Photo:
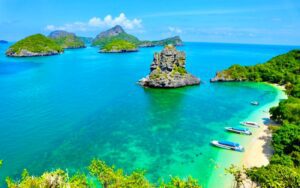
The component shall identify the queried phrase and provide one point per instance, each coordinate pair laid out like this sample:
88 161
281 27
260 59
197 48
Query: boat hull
230 129
217 144
250 124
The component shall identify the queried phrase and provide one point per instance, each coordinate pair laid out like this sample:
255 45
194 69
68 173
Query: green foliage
238 174
69 41
55 179
169 41
288 111
176 182
179 69
284 168
275 176
286 141
35 43
122 36
1 162
119 45
283 69
111 178
108 176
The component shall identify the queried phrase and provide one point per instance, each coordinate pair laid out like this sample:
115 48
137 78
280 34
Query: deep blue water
62 111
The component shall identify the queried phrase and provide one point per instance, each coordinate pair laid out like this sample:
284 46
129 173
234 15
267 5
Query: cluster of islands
114 40
168 71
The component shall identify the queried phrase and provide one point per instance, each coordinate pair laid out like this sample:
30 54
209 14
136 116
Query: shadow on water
9 68
165 105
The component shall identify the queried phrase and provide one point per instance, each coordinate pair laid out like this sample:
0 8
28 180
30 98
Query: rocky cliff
111 32
168 70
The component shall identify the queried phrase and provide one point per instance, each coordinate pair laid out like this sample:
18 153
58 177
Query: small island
118 33
119 46
34 45
168 70
66 40
115 33
3 42
175 41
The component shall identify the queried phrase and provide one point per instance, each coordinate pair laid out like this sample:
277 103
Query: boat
250 124
255 103
239 130
228 145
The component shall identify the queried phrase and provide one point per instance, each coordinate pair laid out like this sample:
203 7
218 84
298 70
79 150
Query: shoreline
259 148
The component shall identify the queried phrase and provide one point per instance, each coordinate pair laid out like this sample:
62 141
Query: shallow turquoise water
62 111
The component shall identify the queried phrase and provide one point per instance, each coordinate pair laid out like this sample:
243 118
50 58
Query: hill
118 33
66 40
34 45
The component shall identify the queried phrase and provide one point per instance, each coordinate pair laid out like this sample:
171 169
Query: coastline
258 146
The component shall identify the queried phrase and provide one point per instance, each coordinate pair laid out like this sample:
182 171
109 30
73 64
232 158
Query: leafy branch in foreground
107 176
57 178
238 174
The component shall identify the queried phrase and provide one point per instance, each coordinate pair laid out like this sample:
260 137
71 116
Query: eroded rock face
168 70
111 32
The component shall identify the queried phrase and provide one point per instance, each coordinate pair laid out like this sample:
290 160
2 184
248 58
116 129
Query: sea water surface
63 111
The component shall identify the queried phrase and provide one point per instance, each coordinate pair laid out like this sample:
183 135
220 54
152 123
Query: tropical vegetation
117 33
284 168
121 36
37 43
119 46
99 173
69 41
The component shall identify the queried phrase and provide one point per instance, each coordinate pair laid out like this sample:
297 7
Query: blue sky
231 21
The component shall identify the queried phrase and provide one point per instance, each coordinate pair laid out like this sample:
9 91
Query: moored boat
255 103
228 145
250 124
239 130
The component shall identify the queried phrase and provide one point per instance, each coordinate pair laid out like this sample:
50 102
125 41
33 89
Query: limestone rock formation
168 70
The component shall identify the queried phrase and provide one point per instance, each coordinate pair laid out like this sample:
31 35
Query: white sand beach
259 148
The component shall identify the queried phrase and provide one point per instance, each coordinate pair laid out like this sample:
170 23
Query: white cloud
96 22
175 30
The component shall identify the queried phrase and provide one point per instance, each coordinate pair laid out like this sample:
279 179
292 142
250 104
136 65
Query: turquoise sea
62 111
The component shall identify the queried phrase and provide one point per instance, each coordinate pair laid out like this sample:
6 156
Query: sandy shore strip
259 148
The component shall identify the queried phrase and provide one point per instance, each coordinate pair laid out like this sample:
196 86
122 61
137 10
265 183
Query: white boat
239 130
228 145
255 103
250 124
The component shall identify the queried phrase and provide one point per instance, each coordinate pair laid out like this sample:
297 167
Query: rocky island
175 41
168 70
117 33
34 45
66 40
